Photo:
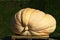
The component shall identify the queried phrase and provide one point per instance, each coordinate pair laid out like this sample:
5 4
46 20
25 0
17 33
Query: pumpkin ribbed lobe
26 15
18 26
35 18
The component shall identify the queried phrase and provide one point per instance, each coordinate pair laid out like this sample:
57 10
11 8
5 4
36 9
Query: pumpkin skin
30 21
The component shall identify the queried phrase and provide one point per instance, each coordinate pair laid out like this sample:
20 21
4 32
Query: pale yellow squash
31 21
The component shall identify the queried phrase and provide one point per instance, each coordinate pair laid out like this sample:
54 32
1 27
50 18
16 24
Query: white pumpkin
34 22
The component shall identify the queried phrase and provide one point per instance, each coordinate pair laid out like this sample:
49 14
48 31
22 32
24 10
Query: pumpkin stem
26 28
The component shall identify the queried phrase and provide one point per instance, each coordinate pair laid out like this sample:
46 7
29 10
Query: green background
8 8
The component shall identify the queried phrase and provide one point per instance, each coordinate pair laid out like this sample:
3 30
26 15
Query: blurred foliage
8 8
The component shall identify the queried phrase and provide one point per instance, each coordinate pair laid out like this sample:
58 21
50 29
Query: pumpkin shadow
7 38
